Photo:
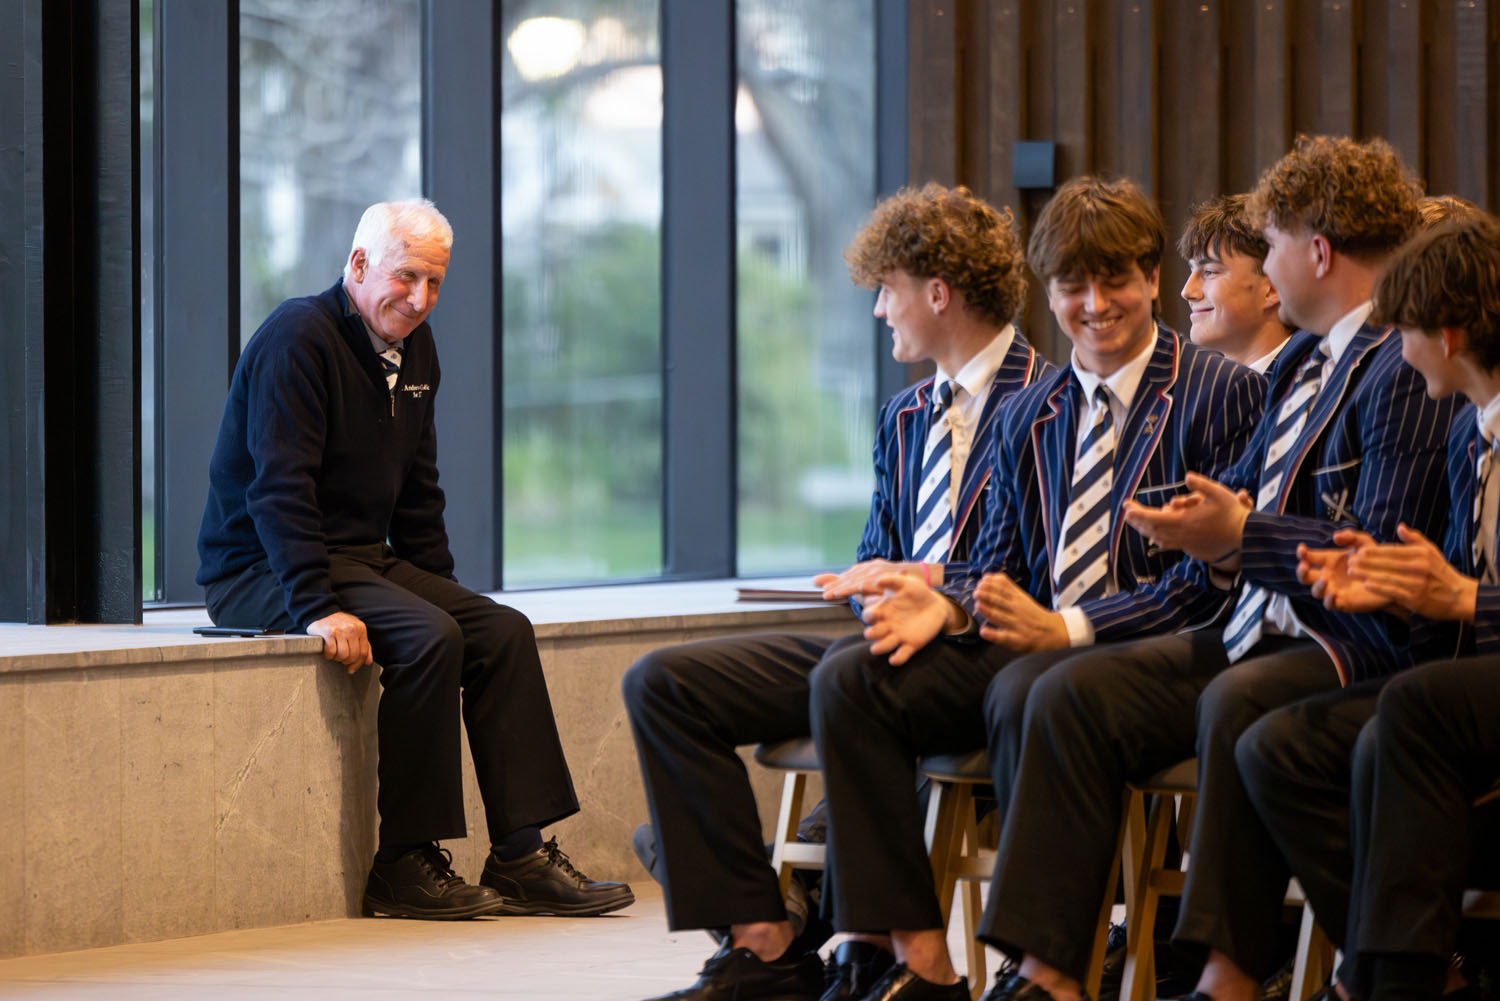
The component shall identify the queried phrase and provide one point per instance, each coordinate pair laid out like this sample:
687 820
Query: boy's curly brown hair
1441 208
1221 226
1097 226
938 232
1447 275
1358 195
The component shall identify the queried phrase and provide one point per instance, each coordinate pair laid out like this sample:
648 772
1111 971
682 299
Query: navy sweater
314 453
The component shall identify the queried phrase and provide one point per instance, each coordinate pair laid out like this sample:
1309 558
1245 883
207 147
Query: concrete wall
191 792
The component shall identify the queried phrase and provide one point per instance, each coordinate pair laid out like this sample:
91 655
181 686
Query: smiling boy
1233 307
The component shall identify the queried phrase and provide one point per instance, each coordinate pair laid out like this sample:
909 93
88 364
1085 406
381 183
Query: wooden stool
1152 807
797 757
957 856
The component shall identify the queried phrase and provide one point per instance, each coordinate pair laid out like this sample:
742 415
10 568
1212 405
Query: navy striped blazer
899 443
1370 456
1482 636
1193 411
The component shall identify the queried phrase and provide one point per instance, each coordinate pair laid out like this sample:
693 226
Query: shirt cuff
970 629
1080 629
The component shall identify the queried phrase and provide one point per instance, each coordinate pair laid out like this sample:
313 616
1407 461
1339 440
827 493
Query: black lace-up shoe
1011 986
900 984
853 969
545 882
422 884
740 975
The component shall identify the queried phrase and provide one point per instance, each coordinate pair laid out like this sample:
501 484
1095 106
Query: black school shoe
900 984
422 884
853 970
545 882
740 975
1011 986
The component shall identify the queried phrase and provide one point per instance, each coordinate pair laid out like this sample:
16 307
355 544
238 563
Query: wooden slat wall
1196 97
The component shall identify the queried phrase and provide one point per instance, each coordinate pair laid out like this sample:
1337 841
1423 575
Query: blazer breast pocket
1155 495
1336 485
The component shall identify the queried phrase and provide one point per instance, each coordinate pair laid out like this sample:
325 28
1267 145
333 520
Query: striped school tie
1083 570
1244 629
390 364
1484 568
934 533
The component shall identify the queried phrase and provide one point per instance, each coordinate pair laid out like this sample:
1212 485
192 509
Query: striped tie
390 363
1244 629
934 532
1484 569
1084 567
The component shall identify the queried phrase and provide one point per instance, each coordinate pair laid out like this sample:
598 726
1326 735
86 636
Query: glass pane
330 121
580 133
150 591
805 121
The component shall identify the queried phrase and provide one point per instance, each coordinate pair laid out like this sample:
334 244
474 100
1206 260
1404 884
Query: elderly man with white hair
324 514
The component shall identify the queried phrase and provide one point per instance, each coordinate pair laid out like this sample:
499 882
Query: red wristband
927 572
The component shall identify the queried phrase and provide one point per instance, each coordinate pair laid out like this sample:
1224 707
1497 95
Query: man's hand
344 640
1207 524
854 580
903 614
1326 572
1015 618
1415 576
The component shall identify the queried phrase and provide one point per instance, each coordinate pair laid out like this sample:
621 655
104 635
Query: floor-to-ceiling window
805 180
580 223
330 121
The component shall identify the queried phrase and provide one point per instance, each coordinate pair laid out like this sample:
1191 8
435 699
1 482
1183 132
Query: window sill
166 636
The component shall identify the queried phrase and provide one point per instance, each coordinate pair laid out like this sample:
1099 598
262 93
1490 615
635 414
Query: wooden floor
623 957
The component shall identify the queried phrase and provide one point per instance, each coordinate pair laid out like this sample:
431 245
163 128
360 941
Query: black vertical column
698 289
891 40
81 325
15 430
461 174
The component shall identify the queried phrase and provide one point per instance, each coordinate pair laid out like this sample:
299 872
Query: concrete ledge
154 784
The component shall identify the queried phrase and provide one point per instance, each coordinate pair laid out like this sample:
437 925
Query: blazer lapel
1463 508
911 439
1328 401
1052 444
1144 426
1016 371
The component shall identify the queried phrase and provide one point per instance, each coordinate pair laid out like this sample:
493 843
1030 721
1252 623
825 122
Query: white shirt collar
1344 330
1264 362
978 372
1125 380
1489 419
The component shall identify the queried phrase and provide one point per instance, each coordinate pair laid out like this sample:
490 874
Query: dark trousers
1236 879
690 706
1297 763
441 649
1096 720
1389 839
872 722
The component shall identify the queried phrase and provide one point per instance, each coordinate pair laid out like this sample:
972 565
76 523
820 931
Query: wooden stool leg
973 948
948 803
792 792
1135 857
1314 963
1095 973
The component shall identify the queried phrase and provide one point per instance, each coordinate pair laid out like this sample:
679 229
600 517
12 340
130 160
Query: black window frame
71 549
